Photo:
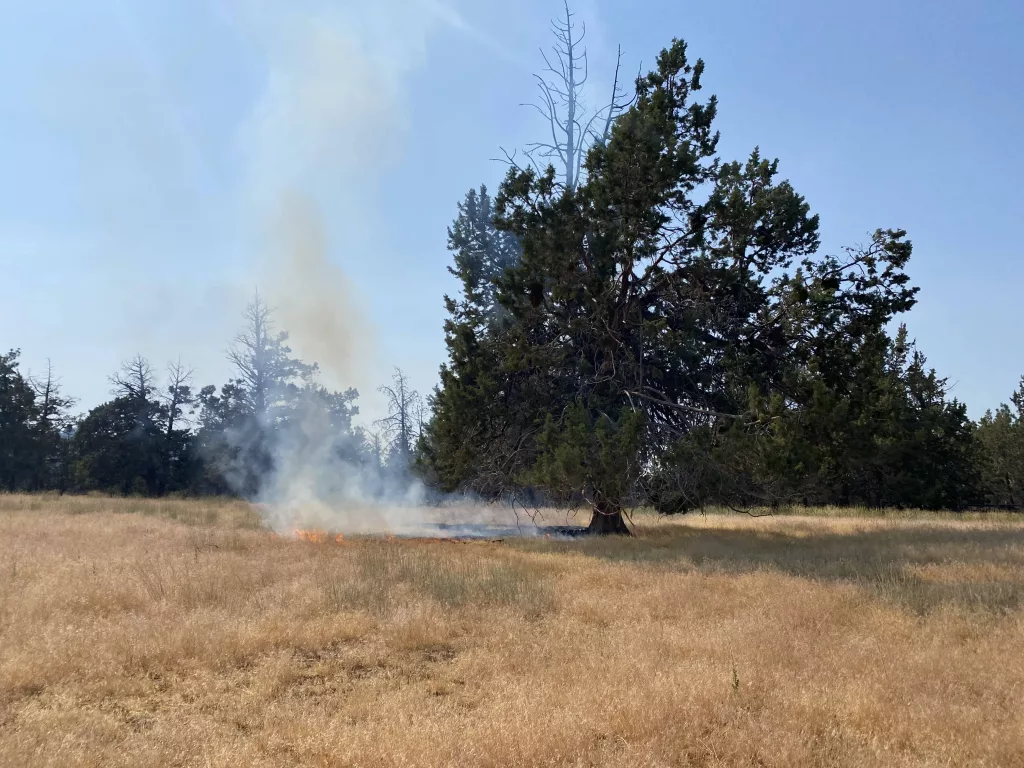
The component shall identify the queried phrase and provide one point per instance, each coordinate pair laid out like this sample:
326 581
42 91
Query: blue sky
164 158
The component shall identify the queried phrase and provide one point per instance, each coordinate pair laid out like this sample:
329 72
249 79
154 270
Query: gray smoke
333 109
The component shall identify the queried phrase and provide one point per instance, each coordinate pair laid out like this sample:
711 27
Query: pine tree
53 423
120 445
18 413
1001 452
481 254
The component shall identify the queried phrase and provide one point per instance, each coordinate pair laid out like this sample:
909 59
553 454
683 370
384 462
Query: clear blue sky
150 148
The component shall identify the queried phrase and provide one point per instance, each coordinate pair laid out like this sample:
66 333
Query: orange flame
314 537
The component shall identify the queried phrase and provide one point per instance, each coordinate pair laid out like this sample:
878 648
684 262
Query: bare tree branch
52 402
178 395
402 424
250 353
135 379
561 85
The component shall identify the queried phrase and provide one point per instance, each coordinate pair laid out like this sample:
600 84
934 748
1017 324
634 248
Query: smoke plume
333 110
314 297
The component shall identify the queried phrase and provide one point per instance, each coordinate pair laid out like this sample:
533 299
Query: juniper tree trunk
607 520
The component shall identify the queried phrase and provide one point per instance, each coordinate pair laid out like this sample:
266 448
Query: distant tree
273 408
318 411
52 427
135 380
181 463
1001 448
178 396
377 450
19 413
401 426
266 374
481 254
140 442
920 443
239 427
118 450
888 436
231 442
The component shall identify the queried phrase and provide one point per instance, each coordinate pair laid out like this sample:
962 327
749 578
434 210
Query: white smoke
329 118
332 117
330 121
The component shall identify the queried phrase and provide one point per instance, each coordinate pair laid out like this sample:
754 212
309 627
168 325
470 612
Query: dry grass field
180 633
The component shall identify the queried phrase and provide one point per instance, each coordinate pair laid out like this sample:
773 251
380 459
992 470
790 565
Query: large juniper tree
648 303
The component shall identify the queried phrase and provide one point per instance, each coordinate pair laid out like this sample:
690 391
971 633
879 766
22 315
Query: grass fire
318 537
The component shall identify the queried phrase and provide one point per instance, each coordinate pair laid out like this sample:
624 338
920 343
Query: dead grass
137 633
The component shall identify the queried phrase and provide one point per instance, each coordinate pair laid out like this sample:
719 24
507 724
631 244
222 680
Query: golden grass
179 633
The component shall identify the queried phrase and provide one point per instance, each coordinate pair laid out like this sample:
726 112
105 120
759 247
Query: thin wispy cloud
451 18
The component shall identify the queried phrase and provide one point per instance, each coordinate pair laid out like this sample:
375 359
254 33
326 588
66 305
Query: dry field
181 633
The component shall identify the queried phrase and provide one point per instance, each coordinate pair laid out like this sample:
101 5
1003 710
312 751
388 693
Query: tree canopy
675 335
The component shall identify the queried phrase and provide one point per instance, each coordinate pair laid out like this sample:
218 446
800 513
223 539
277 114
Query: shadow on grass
386 574
919 568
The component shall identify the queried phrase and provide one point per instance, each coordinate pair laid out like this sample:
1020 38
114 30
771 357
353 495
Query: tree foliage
1001 447
18 413
675 335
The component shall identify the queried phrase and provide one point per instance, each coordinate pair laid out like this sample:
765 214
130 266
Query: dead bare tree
251 353
400 426
53 422
178 395
561 86
262 359
135 380
52 403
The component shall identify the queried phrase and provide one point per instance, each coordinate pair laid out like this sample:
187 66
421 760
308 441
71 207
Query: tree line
639 321
154 438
